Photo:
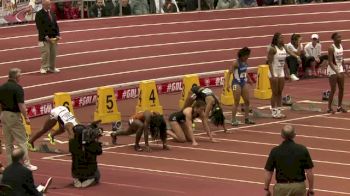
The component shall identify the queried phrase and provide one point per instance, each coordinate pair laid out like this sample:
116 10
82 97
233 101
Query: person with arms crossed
49 34
291 161
12 106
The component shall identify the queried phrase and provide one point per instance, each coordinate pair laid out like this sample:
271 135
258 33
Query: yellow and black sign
148 97
187 83
106 106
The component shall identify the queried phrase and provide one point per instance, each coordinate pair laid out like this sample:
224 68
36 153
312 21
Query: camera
91 133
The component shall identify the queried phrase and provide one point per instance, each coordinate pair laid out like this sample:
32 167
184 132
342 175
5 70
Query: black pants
293 64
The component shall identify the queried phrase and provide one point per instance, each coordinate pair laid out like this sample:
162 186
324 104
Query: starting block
63 99
106 106
187 83
148 97
27 127
226 97
263 87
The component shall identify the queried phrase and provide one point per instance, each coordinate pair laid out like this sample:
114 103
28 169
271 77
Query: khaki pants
48 55
290 189
13 130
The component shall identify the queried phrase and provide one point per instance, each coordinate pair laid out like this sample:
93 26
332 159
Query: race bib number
281 62
243 75
234 87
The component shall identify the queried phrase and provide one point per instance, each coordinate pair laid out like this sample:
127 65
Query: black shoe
331 111
114 138
342 110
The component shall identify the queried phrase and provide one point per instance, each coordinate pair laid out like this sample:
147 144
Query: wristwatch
266 189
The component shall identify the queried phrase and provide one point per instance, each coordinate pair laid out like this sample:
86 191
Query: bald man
19 177
290 178
49 34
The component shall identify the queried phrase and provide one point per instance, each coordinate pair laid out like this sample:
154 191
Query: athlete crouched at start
143 123
181 123
65 120
213 110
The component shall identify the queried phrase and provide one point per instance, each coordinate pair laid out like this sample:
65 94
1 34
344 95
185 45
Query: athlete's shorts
278 72
330 71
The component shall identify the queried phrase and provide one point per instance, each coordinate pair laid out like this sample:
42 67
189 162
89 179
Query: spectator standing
49 34
126 8
291 161
20 178
12 104
314 59
97 10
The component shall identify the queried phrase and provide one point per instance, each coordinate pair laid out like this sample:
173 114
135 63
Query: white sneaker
31 167
76 183
43 71
279 113
88 182
274 113
54 70
294 77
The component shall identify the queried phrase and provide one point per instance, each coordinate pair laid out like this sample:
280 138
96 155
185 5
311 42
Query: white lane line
218 151
217 131
174 33
299 135
337 118
110 74
138 58
188 13
194 175
193 21
220 164
174 43
316 126
271 144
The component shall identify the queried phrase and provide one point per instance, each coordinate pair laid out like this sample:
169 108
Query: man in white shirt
314 60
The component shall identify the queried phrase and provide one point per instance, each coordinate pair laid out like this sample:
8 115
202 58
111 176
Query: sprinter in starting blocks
143 123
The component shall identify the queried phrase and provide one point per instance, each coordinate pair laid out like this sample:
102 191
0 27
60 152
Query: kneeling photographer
85 147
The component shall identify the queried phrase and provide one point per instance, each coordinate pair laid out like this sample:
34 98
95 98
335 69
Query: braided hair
217 115
158 127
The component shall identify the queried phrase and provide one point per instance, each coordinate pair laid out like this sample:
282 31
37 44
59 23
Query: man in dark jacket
20 178
98 10
84 157
49 34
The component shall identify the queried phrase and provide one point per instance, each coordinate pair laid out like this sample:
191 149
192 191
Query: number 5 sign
106 106
148 97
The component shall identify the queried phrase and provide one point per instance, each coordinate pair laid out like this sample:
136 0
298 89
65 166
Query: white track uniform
63 116
338 60
279 59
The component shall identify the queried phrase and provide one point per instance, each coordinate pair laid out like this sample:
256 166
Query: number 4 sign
148 97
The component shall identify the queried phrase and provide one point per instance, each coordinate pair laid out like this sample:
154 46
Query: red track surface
133 44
